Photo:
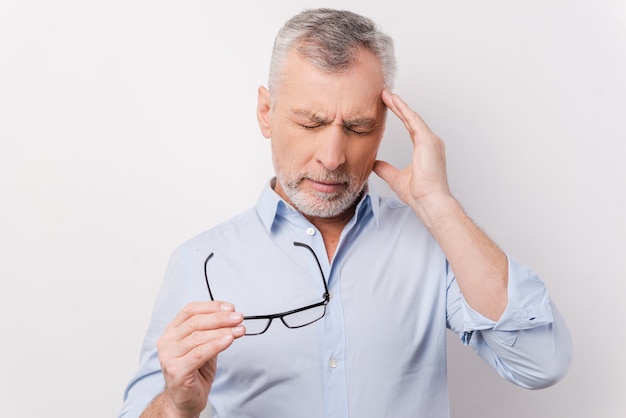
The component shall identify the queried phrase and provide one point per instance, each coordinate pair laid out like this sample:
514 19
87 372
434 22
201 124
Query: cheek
290 152
364 158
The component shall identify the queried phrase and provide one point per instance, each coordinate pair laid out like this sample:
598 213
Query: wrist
164 406
436 209
172 410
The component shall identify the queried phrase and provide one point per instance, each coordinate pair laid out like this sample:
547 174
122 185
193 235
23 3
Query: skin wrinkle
359 125
325 127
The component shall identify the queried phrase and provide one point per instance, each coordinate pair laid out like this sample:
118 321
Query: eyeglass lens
255 326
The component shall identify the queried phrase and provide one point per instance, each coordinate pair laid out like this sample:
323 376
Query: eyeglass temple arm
301 244
206 277
297 244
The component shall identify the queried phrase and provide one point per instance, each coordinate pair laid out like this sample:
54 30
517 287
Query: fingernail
227 307
238 331
236 316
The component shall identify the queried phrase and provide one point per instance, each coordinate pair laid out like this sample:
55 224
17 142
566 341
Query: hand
425 179
188 353
480 267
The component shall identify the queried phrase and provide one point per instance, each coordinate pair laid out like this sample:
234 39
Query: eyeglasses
295 318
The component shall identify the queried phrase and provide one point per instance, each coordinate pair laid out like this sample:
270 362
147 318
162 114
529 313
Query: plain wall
128 126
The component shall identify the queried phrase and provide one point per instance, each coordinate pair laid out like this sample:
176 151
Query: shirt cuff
528 305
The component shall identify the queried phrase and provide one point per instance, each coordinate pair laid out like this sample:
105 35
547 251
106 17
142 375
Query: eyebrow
364 122
314 117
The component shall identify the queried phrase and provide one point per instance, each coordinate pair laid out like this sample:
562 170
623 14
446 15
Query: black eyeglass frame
270 318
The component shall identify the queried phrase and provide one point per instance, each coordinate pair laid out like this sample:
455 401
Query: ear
263 112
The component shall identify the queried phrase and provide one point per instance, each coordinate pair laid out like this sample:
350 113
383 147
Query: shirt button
332 363
310 231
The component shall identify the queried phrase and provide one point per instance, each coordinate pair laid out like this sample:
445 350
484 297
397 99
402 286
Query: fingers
411 119
200 316
215 331
426 176
188 351
185 358
195 308
197 334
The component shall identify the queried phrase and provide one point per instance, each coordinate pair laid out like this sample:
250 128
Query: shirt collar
270 205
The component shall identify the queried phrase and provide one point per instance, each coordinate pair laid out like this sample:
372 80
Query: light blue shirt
380 349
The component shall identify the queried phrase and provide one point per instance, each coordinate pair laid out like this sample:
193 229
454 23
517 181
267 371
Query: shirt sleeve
528 304
148 381
530 344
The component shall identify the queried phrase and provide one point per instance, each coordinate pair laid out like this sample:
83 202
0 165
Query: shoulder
239 226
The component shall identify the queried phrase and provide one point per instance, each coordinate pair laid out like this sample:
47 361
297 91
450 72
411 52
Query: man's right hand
188 352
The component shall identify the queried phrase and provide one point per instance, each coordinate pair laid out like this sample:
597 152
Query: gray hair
329 39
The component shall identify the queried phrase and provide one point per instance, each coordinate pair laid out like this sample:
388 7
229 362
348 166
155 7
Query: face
325 130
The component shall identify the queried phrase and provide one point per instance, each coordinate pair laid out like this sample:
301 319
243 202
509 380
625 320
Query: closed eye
361 126
353 131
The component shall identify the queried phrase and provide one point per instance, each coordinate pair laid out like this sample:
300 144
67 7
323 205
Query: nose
331 150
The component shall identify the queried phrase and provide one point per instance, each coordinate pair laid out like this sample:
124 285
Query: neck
331 228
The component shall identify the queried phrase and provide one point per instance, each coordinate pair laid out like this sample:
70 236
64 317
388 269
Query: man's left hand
425 179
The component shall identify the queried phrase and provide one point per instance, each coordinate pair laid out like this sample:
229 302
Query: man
346 295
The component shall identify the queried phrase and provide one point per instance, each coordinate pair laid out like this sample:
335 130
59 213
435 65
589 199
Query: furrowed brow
363 123
310 116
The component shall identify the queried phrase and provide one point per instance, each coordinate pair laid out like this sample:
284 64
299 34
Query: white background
128 126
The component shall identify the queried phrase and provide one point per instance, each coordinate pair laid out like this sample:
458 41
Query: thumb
396 179
387 172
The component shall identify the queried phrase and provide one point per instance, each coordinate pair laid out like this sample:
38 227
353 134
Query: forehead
353 92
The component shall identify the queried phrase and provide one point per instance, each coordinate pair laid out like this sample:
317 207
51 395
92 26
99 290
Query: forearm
161 407
480 267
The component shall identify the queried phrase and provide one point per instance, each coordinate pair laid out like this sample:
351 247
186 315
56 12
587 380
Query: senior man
326 299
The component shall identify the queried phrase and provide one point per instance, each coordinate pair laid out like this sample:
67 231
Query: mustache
325 176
